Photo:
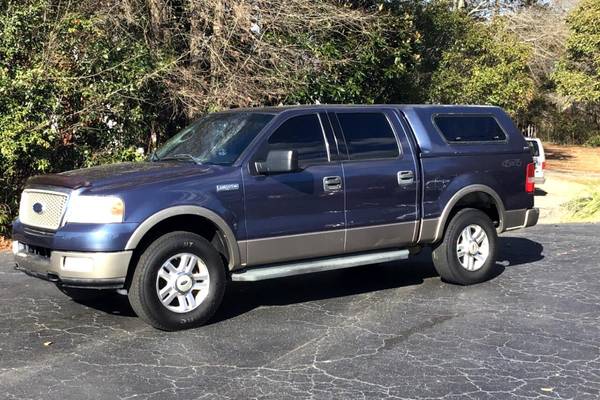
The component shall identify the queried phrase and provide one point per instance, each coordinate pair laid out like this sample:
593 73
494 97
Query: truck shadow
243 297
514 251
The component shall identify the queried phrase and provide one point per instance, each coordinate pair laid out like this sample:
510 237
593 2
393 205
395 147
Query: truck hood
114 176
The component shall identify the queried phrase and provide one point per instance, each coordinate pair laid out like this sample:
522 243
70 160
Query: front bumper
75 269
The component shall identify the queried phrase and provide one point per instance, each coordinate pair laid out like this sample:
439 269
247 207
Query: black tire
83 295
445 254
142 292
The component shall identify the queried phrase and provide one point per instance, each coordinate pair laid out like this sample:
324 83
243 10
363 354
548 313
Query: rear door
300 214
380 178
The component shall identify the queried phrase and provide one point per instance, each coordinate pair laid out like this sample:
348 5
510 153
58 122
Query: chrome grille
42 209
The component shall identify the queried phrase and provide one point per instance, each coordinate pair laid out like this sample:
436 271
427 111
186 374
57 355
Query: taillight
543 164
530 178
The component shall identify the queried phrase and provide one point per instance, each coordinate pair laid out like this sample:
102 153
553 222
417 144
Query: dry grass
585 208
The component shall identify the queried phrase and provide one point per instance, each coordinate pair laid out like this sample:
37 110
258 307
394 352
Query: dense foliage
487 66
72 93
83 83
578 72
578 75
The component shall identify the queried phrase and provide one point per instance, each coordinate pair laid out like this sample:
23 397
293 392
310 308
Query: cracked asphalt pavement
382 331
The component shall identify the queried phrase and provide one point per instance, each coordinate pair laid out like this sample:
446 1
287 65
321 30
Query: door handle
332 183
405 177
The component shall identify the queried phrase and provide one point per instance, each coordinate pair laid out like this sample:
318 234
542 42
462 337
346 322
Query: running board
324 264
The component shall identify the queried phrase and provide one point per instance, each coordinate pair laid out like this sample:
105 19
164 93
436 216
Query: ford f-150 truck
264 193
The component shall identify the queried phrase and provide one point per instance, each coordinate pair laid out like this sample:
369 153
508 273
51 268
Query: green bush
578 72
487 65
593 141
74 92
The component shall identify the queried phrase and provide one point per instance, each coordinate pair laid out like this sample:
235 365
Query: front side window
469 128
215 138
303 134
368 136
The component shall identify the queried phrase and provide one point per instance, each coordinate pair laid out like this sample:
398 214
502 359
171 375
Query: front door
300 214
380 178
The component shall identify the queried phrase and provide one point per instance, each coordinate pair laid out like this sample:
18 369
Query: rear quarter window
469 128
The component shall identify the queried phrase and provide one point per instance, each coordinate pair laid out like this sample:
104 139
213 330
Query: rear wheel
178 283
467 253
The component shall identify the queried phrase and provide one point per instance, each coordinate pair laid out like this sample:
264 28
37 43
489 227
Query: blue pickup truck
263 193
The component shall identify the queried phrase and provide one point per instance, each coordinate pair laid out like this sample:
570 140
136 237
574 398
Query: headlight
95 210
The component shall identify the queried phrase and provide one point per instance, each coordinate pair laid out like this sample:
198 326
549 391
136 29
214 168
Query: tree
488 8
578 74
545 30
486 66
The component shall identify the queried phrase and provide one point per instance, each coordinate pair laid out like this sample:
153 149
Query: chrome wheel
182 283
472 247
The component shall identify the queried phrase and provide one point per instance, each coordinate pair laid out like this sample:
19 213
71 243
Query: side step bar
324 264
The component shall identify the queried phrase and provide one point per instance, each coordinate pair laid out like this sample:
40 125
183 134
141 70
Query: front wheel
178 283
467 253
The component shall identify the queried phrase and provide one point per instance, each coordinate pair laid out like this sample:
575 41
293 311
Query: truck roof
402 107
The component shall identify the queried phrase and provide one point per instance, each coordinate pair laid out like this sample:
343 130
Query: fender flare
456 197
150 222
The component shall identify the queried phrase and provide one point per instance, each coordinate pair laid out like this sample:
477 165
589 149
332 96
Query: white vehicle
539 158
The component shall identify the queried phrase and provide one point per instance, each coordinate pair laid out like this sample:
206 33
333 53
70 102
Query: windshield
214 139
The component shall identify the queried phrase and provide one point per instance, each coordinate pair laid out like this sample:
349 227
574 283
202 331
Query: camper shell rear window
469 128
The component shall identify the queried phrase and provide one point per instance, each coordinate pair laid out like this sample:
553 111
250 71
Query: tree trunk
158 19
196 32
216 42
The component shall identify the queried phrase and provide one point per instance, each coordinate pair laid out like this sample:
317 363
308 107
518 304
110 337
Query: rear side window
303 134
535 149
469 128
368 136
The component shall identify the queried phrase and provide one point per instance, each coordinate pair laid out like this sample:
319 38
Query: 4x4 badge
514 162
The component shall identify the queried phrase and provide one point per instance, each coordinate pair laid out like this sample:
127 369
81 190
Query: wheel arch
223 229
470 196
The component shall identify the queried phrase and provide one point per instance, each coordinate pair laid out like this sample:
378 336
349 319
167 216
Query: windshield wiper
180 157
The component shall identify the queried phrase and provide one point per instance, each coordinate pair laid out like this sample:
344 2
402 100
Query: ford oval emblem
38 208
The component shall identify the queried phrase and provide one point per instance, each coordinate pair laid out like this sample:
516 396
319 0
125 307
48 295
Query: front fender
150 222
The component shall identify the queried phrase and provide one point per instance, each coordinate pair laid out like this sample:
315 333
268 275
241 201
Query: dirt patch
5 244
572 158
572 172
